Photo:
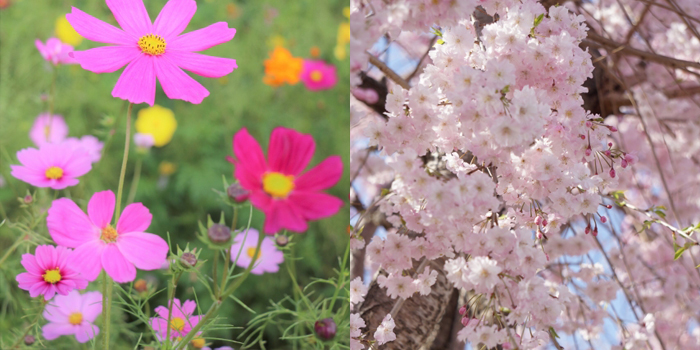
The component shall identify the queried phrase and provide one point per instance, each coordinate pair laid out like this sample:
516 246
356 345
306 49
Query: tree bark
418 318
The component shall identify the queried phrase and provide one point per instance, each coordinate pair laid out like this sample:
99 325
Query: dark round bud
28 199
141 285
463 310
282 240
29 340
188 259
237 193
219 233
325 328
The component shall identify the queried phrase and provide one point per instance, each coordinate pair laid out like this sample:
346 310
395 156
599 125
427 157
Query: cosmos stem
107 285
124 160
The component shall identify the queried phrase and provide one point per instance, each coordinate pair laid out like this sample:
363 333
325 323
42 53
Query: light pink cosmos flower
89 144
288 198
98 245
318 75
55 51
48 272
181 320
153 50
73 314
52 165
268 259
48 129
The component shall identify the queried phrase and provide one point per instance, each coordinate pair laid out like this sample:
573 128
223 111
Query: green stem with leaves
12 249
108 283
172 285
214 308
32 325
341 283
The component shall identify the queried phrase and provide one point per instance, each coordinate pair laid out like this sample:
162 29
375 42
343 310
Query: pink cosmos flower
268 259
288 198
153 50
318 75
47 129
52 165
73 314
89 144
55 51
99 245
181 320
48 272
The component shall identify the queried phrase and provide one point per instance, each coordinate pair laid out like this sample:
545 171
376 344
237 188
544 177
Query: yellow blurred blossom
346 11
166 168
66 33
343 39
282 68
157 121
276 41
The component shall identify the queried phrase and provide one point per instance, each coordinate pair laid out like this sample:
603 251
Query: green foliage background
198 149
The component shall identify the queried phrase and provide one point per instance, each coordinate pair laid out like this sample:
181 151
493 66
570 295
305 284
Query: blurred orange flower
282 68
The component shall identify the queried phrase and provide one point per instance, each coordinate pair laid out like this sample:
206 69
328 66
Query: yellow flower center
52 276
109 234
177 323
152 44
47 131
316 76
278 185
75 318
198 343
54 173
251 253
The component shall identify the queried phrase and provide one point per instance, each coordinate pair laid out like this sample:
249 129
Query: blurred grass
200 144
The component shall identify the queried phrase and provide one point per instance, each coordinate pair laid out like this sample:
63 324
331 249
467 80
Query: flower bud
589 123
588 229
544 222
282 240
218 233
608 153
609 144
609 206
465 321
595 232
29 340
237 193
612 173
538 220
588 151
188 260
623 163
583 137
141 285
28 199
612 128
603 219
463 310
198 343
325 328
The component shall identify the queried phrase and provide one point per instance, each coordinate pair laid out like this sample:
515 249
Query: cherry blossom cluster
494 165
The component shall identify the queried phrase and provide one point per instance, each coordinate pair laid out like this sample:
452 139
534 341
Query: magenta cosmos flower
73 314
55 51
48 273
318 75
48 129
153 50
98 245
52 165
181 320
288 198
268 259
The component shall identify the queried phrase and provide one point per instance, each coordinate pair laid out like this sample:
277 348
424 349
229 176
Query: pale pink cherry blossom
357 291
385 331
